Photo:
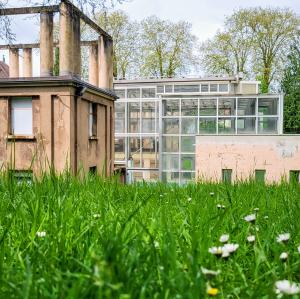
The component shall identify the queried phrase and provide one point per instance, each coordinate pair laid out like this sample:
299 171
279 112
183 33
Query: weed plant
61 237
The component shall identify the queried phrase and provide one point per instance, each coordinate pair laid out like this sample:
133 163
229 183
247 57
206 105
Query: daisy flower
286 287
230 247
219 206
224 238
283 256
96 216
283 237
41 234
250 218
251 239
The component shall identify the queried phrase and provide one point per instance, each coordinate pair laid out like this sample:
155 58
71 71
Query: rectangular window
92 119
204 87
21 116
223 87
133 93
226 175
207 126
213 87
294 176
160 89
186 88
208 107
93 170
260 175
148 92
169 88
22 176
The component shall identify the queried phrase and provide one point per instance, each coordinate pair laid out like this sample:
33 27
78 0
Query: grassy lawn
62 238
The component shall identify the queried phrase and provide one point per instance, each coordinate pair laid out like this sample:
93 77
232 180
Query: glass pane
171 126
133 117
119 117
170 162
170 144
120 93
246 125
189 125
149 155
223 87
148 92
226 175
268 106
226 106
267 125
21 116
135 151
171 107
294 176
226 125
213 87
246 106
188 144
260 175
207 126
186 88
160 89
133 93
187 162
189 107
119 149
169 88
148 117
204 87
208 107
187 177
170 177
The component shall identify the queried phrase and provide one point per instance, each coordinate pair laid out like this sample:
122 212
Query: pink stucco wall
277 154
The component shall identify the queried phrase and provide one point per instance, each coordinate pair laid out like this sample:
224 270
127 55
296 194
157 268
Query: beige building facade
231 158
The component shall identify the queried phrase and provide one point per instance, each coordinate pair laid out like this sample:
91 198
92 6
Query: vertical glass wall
155 136
136 136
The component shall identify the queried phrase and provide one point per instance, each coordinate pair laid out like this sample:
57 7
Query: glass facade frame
177 120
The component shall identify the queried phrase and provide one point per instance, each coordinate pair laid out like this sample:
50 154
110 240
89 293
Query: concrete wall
60 131
245 154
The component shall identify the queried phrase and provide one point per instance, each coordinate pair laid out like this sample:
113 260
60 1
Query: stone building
58 122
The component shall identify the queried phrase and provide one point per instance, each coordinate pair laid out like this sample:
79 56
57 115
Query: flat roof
179 80
53 81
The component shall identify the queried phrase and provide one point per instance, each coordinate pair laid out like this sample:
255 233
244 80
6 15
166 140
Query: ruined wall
60 131
244 154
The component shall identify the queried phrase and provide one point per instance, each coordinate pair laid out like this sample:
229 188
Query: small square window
93 170
92 119
213 87
260 175
169 88
294 176
204 87
226 175
160 89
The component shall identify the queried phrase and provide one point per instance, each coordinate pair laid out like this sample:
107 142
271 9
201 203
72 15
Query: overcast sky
206 16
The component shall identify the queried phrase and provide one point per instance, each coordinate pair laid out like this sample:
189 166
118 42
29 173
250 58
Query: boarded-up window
92 119
21 116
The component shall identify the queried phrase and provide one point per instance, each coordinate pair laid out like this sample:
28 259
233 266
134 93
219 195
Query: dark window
160 89
22 176
93 170
213 87
92 119
260 175
169 88
204 87
226 175
294 176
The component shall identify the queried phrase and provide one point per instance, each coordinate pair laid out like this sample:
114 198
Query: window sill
21 138
93 138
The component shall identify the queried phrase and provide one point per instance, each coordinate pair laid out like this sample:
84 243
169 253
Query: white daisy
251 238
219 206
189 199
283 256
216 250
250 218
208 272
224 238
211 193
266 217
96 216
41 234
230 247
256 209
287 287
283 237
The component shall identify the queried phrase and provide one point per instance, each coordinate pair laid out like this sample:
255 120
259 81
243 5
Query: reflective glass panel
186 88
223 87
171 126
268 106
119 117
189 107
226 125
188 144
149 155
246 125
170 107
207 126
226 106
148 117
133 93
187 162
120 93
134 117
170 177
169 88
204 87
170 144
160 89
170 162
135 151
208 107
267 125
246 106
120 149
213 87
148 92
188 125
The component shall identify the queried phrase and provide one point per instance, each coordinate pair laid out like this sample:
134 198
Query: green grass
150 241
